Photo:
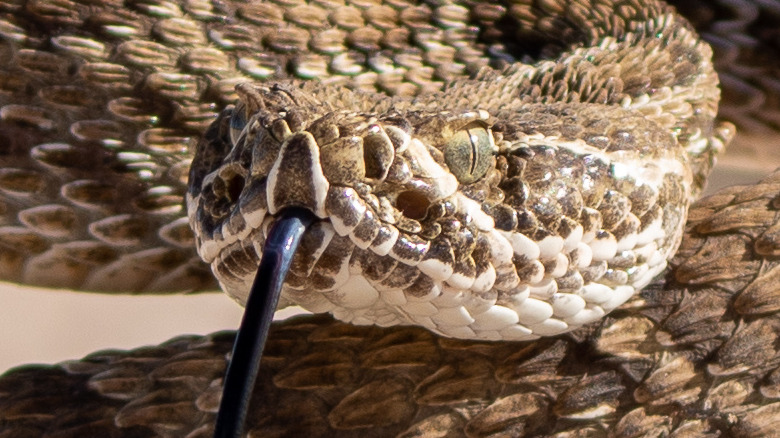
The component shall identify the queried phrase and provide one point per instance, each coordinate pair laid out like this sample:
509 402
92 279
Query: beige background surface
47 326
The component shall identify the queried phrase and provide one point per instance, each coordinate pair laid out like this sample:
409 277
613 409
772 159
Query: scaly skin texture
510 206
102 106
707 340
594 198
694 355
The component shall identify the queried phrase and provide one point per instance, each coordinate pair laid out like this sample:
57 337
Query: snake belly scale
518 204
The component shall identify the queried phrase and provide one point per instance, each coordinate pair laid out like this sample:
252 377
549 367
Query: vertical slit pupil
474 151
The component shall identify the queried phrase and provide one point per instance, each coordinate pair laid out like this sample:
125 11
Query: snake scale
102 105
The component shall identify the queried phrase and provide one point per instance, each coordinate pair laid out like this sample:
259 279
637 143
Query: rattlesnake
71 223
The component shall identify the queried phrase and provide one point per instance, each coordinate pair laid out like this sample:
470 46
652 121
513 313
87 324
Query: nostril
229 182
413 204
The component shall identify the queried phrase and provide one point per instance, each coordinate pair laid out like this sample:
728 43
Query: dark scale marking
549 265
590 220
672 191
408 225
310 249
593 272
421 288
525 268
399 172
629 225
462 243
330 263
651 216
642 198
378 154
526 222
253 197
506 276
368 228
571 282
504 217
383 235
341 202
325 130
566 226
294 185
613 208
236 223
430 231
374 267
342 161
540 233
409 248
242 261
623 260
441 249
402 276
465 267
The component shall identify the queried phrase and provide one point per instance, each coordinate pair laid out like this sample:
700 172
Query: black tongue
279 249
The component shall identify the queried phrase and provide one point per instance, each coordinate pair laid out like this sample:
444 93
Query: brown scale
571 282
422 288
614 207
630 225
241 259
55 221
382 237
403 276
340 202
466 267
368 227
409 248
594 272
374 267
441 249
120 230
410 210
330 263
312 242
178 234
463 243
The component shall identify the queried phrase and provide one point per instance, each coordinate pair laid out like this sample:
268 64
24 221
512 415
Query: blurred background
48 326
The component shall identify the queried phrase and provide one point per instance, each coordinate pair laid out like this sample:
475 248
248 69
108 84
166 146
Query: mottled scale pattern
525 202
102 104
102 100
693 356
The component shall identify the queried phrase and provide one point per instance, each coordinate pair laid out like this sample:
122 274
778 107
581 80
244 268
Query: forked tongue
278 251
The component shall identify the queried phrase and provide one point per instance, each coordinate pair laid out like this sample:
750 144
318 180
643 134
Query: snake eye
469 153
237 123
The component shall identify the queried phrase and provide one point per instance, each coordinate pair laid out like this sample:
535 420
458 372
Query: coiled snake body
528 200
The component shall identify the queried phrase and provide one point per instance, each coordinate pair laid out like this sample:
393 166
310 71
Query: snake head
470 225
